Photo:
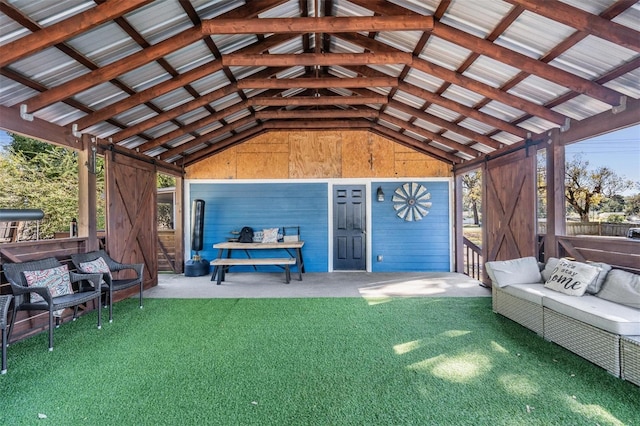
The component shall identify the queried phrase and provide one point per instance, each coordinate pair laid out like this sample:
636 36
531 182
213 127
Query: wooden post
178 226
87 197
556 224
458 246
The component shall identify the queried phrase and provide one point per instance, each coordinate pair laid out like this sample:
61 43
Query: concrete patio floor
332 284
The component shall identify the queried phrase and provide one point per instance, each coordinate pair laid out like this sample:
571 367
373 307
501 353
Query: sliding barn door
131 213
510 206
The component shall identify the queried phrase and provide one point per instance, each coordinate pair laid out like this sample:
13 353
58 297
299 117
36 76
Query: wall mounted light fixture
91 161
380 194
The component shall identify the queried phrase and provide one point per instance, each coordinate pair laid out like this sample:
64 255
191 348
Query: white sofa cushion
600 313
529 292
622 287
596 285
524 270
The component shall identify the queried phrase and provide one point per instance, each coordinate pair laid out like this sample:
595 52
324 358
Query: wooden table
293 248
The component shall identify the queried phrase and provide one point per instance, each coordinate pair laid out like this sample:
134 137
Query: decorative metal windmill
410 201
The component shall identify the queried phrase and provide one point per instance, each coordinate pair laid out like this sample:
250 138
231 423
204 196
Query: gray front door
349 207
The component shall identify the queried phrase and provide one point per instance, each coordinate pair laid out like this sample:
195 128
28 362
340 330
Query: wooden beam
222 145
477 137
251 9
527 64
419 146
173 113
316 124
449 143
460 80
321 59
148 94
325 24
11 121
465 111
205 138
596 125
194 126
113 70
261 46
602 123
584 21
317 100
488 91
316 114
316 83
66 29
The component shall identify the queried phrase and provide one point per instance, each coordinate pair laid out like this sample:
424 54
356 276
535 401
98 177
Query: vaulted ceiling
181 80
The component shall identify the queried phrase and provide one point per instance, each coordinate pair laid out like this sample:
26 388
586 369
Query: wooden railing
167 251
472 259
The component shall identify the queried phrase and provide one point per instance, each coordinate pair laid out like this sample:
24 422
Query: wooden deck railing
472 259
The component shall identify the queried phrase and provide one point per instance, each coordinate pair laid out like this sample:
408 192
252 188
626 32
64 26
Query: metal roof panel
49 12
145 76
628 84
159 20
100 96
592 57
210 83
49 67
444 53
104 44
190 57
537 90
475 17
533 35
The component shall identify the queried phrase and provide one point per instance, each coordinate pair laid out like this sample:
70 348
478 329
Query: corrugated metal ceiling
469 88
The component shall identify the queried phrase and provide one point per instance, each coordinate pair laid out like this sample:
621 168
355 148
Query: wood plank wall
314 154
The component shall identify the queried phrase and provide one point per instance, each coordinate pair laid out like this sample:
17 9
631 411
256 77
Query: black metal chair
111 284
5 301
88 283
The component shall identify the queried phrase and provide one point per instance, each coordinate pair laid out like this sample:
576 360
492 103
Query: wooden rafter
173 113
488 91
113 70
327 24
66 29
205 138
315 114
316 83
148 94
198 124
312 59
584 21
518 60
317 100
450 143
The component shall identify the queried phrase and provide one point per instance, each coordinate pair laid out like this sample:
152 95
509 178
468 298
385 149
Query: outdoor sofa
586 307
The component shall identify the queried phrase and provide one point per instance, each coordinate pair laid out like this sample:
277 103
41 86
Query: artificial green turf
324 361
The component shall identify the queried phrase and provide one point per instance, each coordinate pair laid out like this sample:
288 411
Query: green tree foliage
165 181
39 175
586 189
472 193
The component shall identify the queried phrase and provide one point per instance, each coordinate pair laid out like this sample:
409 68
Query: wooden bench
222 264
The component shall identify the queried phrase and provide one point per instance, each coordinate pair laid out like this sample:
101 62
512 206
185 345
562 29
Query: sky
618 150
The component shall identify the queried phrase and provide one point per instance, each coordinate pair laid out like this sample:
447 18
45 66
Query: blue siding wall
418 246
230 206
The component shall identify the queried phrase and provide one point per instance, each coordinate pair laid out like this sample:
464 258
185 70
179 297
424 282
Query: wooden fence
604 229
